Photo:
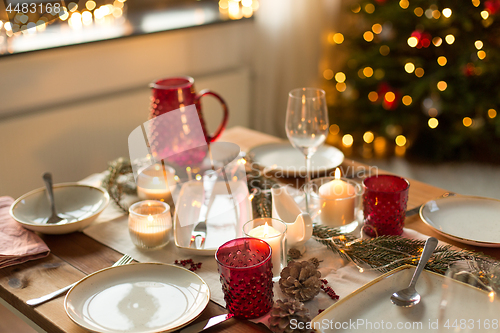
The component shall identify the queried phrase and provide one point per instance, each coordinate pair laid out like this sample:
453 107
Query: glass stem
308 180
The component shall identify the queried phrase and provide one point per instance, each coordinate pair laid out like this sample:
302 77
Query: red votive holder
384 205
246 275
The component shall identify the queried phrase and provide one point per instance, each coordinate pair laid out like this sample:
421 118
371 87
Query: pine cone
314 261
282 314
300 280
294 253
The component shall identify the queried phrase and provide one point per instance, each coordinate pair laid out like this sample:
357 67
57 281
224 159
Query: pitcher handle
211 138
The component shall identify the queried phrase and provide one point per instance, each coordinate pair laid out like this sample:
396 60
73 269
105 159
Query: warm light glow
356 9
150 217
437 41
266 230
407 100
467 121
334 129
72 6
442 60
478 44
412 41
491 296
360 73
433 123
347 140
481 54
41 25
338 38
390 96
87 18
117 12
384 50
476 3
369 8
368 36
400 140
368 137
377 28
63 14
485 14
373 96
246 3
492 113
118 4
442 85
409 67
404 4
447 12
450 39
436 14
418 11
340 77
368 71
198 177
337 173
341 86
90 5
328 74
419 72
223 4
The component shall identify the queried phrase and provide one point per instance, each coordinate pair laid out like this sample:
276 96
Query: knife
204 324
416 210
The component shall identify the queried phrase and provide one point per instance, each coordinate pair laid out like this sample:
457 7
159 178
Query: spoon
409 296
54 218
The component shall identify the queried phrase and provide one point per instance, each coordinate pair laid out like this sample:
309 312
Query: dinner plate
369 308
285 159
137 298
466 219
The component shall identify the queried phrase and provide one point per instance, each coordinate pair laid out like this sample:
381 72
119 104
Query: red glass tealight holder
246 275
384 205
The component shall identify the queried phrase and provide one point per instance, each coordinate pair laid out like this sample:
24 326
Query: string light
433 123
90 5
373 96
407 100
328 74
369 8
334 129
340 77
400 140
379 73
341 86
478 44
481 54
419 72
356 8
418 11
377 28
476 3
447 12
409 67
404 4
368 137
450 39
368 36
467 121
442 60
338 38
492 113
412 41
347 140
368 71
437 41
389 97
485 14
384 50
442 85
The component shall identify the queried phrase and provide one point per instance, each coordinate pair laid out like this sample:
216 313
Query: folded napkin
17 245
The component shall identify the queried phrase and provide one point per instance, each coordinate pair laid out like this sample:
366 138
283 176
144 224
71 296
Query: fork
126 259
198 235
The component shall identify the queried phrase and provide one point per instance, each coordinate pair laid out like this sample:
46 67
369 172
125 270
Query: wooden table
75 255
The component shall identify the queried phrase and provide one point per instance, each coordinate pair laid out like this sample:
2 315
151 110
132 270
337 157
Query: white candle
152 183
274 239
150 224
337 202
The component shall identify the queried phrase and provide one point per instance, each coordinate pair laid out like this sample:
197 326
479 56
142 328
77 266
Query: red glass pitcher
176 93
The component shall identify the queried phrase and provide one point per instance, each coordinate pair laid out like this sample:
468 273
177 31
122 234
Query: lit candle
152 183
337 201
272 237
150 224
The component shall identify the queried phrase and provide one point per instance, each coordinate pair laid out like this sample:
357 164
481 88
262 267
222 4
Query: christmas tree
422 77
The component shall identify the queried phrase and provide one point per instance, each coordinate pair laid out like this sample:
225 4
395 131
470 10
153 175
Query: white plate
284 158
137 298
469 220
79 204
369 308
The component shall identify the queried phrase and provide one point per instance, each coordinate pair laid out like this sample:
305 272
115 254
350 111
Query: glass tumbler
245 270
385 199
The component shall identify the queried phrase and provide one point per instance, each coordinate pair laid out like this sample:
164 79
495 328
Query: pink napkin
17 245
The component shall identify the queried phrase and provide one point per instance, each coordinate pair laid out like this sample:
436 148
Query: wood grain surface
75 255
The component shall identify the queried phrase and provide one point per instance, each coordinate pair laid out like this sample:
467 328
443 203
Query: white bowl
79 204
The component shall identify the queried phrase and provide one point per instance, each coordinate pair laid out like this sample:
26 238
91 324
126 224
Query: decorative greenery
388 252
118 181
425 71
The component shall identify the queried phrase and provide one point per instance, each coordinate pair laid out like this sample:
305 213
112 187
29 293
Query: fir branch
117 187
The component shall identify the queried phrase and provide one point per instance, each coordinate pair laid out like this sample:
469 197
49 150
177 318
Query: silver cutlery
126 259
415 210
409 296
204 324
54 218
198 235
200 230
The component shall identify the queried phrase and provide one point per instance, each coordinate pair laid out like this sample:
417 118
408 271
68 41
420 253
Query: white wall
70 110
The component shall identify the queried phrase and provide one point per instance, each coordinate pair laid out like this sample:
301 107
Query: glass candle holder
154 182
273 231
245 270
384 205
335 202
150 224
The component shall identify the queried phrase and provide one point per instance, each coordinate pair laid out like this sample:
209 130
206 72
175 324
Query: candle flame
150 218
337 173
266 230
491 295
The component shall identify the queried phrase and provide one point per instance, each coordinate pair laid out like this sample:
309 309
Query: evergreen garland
118 181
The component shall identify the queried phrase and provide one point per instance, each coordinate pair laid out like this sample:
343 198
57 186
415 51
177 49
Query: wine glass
307 123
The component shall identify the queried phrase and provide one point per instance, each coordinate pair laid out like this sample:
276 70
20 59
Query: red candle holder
246 275
384 205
